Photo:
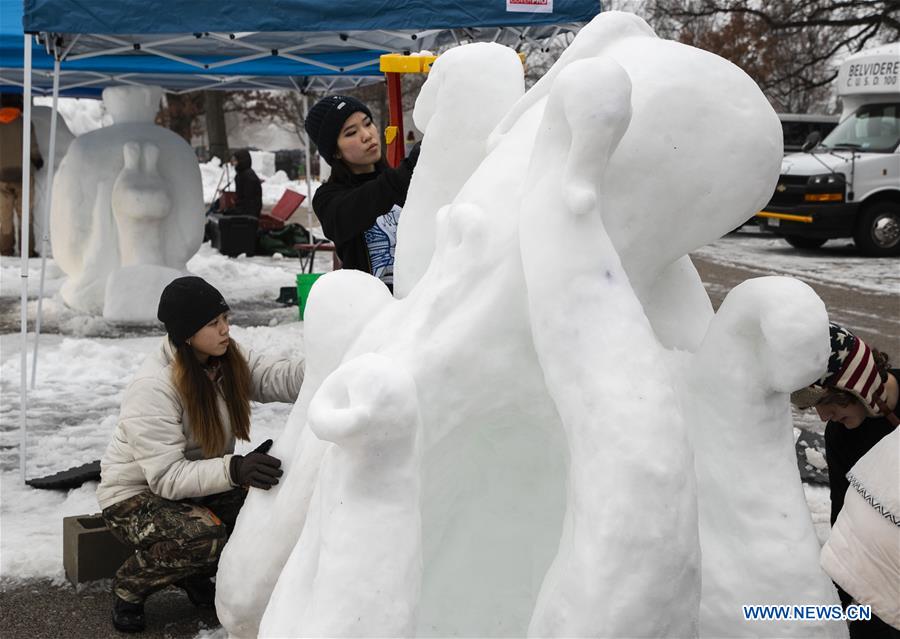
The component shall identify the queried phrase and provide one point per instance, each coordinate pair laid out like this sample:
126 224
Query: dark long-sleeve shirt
248 194
347 211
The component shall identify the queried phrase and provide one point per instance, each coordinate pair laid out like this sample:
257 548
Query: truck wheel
808 243
878 230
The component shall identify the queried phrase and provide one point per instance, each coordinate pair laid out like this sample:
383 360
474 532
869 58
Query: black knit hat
187 304
325 119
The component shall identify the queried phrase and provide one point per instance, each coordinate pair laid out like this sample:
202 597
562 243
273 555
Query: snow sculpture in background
41 117
560 474
127 211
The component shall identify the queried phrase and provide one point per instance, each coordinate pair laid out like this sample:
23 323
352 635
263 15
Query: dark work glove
257 469
413 156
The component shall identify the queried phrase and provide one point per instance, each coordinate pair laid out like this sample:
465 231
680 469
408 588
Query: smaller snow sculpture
139 203
127 210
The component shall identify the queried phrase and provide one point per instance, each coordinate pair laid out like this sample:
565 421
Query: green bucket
305 282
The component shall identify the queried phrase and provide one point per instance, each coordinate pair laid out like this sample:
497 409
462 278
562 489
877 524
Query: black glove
256 469
413 156
38 163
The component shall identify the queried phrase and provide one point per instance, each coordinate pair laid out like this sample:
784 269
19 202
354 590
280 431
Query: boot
200 590
127 616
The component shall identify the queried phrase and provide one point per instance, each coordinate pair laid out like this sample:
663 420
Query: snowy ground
85 364
836 263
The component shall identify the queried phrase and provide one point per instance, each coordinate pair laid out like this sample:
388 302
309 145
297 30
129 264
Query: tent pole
45 226
23 235
309 210
395 147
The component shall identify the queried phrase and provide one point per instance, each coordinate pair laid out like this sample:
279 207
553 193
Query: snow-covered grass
273 186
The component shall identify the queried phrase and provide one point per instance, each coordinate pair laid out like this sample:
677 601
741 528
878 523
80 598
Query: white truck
848 184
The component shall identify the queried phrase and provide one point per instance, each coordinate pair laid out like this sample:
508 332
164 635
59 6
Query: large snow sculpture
127 210
558 486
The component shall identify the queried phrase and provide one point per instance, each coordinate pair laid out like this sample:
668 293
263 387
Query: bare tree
180 113
789 47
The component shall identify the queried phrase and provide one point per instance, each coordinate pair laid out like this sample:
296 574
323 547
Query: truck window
796 128
873 127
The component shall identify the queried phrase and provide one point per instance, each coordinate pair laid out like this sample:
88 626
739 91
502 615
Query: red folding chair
284 209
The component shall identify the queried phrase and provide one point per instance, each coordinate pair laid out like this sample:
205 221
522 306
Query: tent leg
395 105
23 233
45 236
309 210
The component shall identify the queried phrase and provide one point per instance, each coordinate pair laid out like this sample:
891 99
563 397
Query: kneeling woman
170 486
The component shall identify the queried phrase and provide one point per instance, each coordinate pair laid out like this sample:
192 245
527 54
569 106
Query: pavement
39 609
42 610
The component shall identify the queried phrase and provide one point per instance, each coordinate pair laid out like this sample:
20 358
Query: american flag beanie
851 368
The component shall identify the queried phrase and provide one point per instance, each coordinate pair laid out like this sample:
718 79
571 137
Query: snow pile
273 187
82 115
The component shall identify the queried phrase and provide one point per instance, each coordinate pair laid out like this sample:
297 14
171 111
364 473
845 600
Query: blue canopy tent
235 44
86 75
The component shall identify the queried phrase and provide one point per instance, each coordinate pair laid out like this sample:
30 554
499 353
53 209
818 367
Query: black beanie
187 304
325 119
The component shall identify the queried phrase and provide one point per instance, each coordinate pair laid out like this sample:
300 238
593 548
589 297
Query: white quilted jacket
152 447
862 554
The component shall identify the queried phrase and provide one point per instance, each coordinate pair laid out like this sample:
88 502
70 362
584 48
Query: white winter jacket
862 553
153 447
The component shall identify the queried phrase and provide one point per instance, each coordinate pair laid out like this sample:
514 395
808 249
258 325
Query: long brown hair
198 394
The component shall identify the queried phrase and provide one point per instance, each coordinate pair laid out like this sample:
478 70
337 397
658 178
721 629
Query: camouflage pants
172 539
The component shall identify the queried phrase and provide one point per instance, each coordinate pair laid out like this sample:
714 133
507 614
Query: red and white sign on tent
530 6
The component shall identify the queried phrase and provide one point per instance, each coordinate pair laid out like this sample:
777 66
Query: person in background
359 205
857 396
171 486
247 187
11 126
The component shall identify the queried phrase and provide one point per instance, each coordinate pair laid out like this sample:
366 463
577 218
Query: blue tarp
180 16
11 58
273 41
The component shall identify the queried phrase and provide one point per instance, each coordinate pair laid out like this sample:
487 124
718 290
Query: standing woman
359 206
170 485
